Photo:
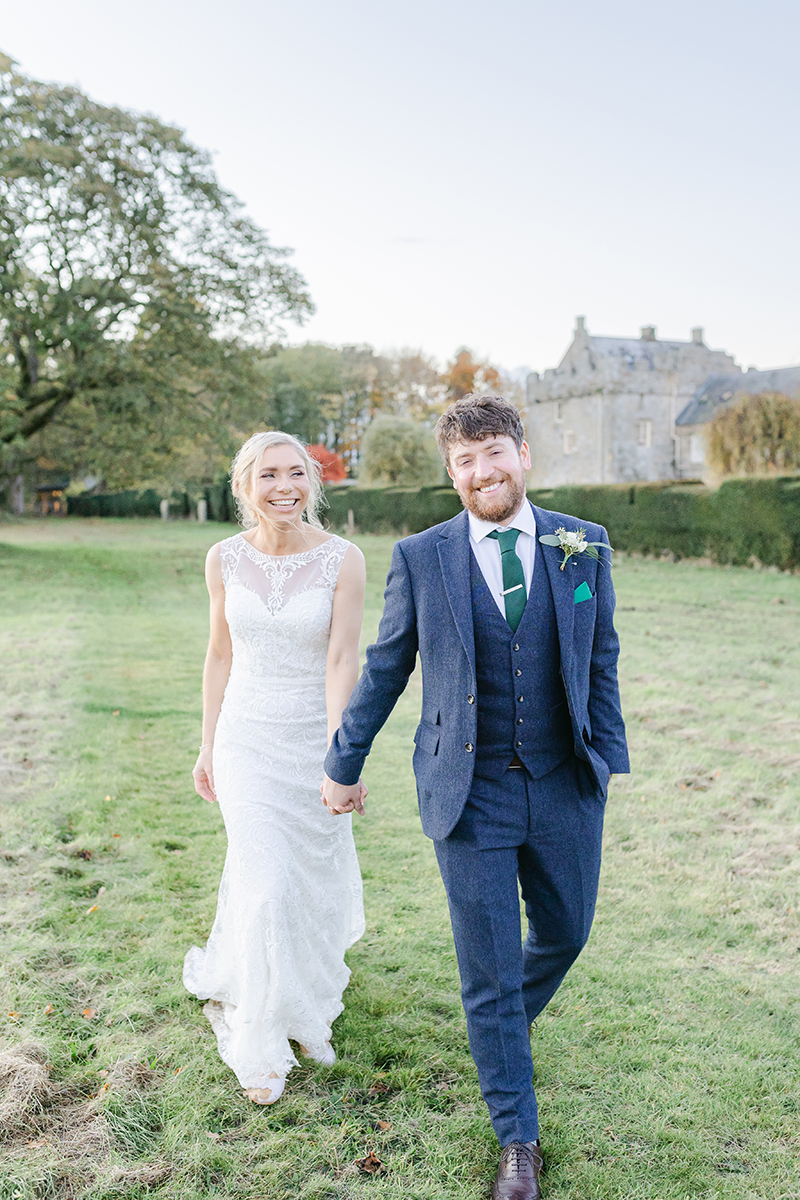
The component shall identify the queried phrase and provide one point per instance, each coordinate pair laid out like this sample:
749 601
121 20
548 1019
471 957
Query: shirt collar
524 521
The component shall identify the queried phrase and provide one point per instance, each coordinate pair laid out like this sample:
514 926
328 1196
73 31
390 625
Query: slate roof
720 391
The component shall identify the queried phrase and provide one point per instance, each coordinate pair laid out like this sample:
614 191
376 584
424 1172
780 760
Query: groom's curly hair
473 418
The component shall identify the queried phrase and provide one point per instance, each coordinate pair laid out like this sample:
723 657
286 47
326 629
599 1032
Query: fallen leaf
88 1013
108 797
371 1165
13 1015
384 1124
94 908
177 1071
214 1136
102 1074
116 835
49 1010
377 1089
115 713
84 854
101 889
39 1142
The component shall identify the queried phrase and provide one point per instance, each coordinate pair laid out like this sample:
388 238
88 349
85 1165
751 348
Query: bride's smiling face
280 486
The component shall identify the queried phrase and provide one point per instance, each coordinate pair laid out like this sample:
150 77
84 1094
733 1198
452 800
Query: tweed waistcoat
521 702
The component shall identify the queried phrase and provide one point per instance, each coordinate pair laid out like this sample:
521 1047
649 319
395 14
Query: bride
287 601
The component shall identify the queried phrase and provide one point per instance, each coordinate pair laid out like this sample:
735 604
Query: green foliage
330 395
643 518
145 503
391 510
399 451
760 519
129 279
757 435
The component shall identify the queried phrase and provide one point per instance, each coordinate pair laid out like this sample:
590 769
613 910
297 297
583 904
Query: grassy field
667 1066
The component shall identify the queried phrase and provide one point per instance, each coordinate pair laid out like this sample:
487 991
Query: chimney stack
580 326
697 335
648 333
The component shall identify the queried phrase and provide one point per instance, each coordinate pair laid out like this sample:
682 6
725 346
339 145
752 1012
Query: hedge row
742 520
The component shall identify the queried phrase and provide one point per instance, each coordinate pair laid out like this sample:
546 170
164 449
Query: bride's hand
203 775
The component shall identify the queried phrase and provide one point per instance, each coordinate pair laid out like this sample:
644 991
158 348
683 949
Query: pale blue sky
480 172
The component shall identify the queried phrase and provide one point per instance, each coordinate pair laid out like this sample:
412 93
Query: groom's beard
498 506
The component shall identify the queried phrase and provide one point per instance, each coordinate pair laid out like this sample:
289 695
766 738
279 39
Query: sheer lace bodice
279 608
290 897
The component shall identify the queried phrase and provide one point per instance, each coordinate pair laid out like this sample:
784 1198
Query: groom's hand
343 797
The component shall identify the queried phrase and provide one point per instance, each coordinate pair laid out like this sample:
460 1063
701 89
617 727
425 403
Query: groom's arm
390 661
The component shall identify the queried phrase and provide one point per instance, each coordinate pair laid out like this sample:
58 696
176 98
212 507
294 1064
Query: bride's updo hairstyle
245 465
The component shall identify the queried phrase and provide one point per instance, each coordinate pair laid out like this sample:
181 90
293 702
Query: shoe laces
517 1158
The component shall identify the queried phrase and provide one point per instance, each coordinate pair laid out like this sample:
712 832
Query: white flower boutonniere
573 542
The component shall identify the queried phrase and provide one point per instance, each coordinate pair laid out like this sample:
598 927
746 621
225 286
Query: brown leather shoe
518 1174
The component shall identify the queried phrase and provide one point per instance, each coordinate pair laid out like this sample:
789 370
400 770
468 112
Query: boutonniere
573 542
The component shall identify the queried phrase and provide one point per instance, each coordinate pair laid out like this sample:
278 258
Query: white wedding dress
290 899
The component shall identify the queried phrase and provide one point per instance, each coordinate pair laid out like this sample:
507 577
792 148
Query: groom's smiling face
489 476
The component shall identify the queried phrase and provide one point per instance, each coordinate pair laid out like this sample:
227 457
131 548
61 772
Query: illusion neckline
281 557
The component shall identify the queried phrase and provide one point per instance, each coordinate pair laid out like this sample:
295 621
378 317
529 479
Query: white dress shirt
487 550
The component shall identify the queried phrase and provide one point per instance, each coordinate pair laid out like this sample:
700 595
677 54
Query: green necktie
514 593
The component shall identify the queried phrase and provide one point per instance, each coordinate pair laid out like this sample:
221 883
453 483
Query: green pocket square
583 592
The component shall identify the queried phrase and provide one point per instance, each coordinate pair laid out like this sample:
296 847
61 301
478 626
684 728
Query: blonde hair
243 468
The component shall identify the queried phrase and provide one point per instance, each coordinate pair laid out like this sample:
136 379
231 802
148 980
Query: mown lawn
667 1066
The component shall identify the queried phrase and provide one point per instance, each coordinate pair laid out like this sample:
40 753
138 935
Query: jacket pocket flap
427 737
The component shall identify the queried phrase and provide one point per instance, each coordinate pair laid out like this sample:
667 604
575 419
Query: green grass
667 1065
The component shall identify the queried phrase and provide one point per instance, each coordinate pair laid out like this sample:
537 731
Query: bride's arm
215 675
341 670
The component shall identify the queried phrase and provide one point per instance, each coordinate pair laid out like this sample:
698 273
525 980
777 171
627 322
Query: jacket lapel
560 584
453 548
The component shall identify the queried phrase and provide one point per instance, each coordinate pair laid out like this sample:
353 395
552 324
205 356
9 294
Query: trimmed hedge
646 518
145 503
743 520
390 509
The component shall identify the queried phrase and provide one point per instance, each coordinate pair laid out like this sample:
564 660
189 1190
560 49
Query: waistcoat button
470 699
468 746
519 720
518 672
520 699
518 745
516 645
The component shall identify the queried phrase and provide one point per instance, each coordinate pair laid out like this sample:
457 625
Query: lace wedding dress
290 898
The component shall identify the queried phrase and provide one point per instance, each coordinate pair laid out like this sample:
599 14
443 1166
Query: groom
520 730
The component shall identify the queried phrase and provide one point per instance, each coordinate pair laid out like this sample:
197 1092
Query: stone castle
627 410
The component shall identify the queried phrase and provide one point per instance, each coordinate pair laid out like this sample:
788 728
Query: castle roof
722 390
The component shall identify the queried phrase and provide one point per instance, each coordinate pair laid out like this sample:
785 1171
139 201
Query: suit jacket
428 610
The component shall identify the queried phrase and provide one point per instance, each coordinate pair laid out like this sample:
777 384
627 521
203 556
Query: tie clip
511 589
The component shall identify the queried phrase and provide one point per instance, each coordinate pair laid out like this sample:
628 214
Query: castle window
697 452
570 442
644 432
559 414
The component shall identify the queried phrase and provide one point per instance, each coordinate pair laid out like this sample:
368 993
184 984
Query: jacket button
519 720
518 745
468 746
470 699
518 672
516 645
520 699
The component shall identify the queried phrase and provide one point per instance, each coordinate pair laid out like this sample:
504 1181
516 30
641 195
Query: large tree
756 435
131 283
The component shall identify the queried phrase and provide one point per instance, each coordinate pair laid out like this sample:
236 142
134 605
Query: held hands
203 776
342 797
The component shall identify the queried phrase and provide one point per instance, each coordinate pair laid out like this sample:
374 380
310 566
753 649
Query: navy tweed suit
547 694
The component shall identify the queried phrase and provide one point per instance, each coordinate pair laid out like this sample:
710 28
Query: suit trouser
547 834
